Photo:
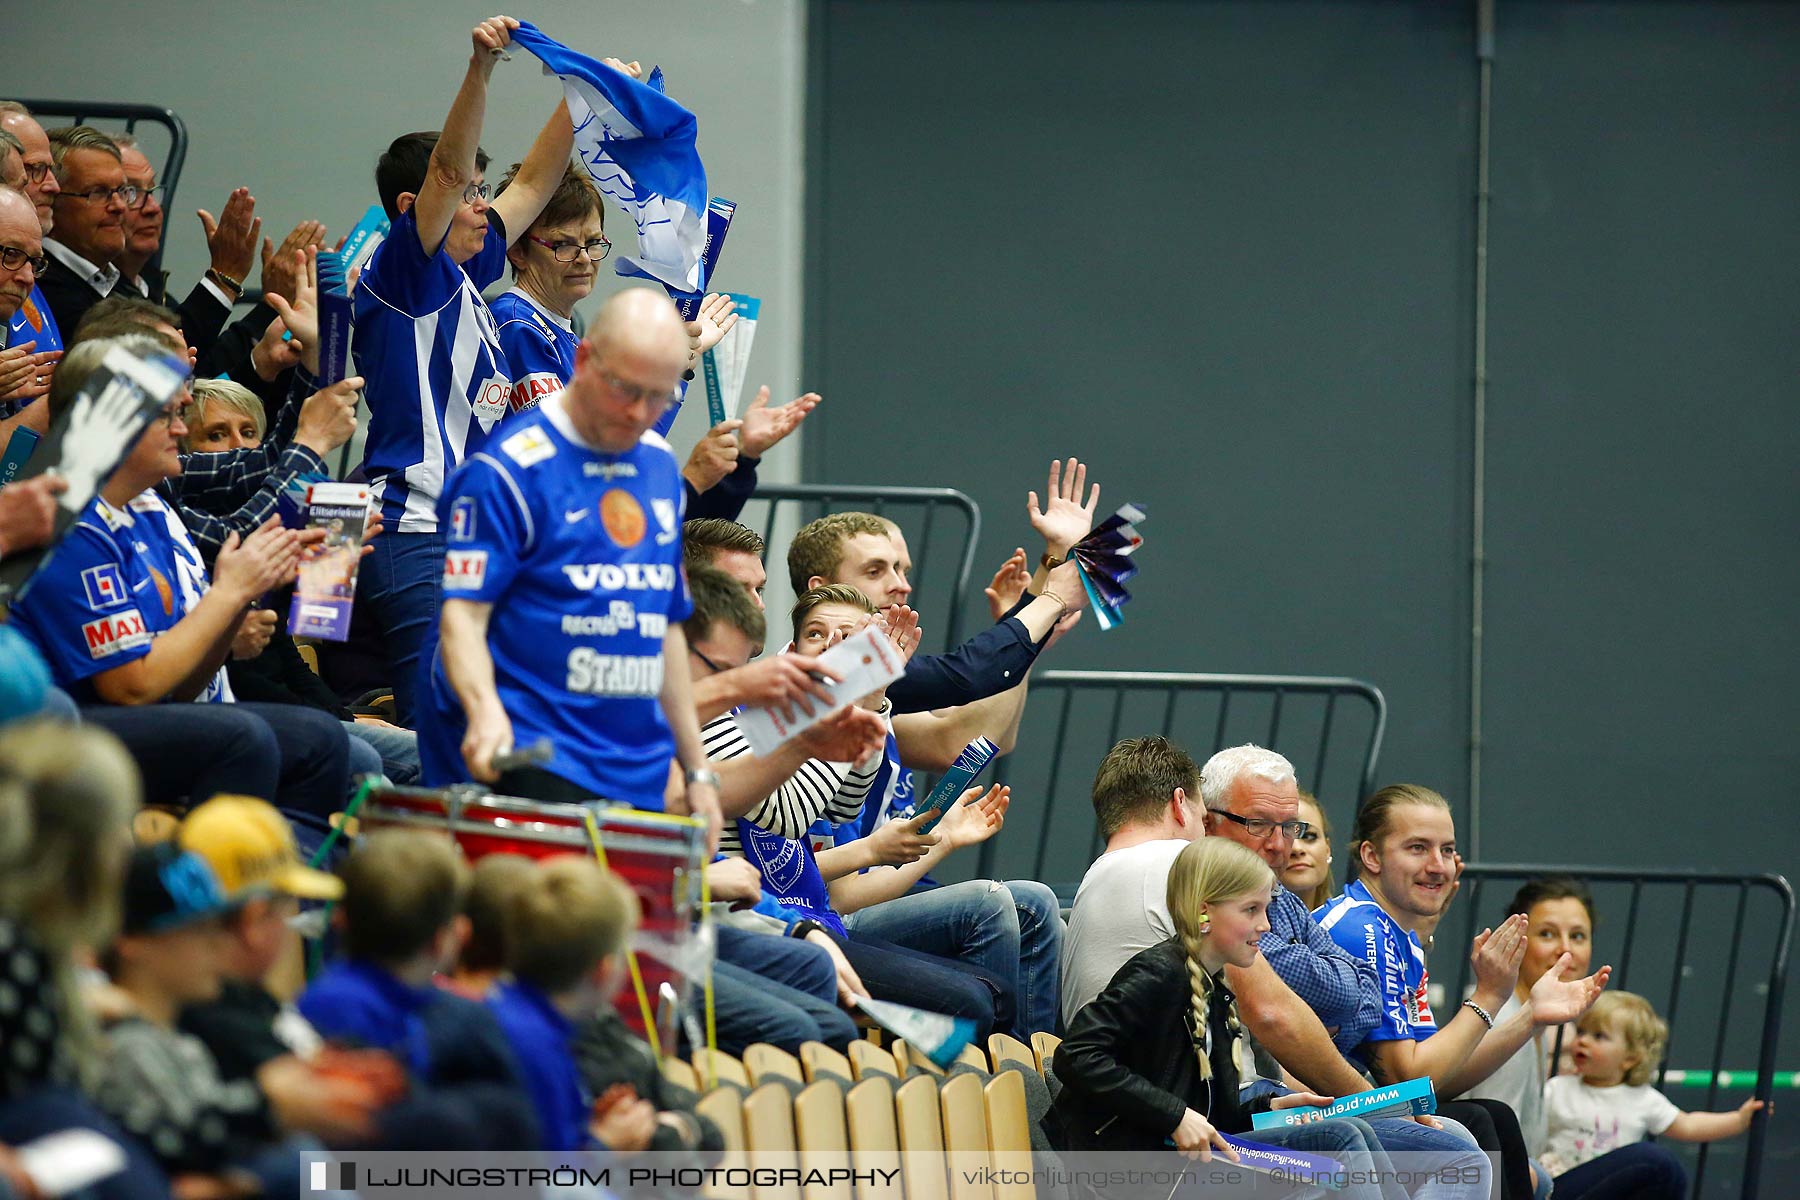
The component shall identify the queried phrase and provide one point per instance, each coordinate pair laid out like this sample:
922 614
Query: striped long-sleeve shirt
818 790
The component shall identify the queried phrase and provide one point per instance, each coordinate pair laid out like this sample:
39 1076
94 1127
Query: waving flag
638 146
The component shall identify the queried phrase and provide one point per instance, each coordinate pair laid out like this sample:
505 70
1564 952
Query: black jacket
1128 1066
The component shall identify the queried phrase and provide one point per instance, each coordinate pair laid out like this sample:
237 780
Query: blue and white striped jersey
435 376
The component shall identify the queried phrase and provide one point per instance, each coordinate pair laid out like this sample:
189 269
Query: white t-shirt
1519 1081
1585 1122
1121 908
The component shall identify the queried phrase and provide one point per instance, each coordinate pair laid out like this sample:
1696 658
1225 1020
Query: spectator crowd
554 607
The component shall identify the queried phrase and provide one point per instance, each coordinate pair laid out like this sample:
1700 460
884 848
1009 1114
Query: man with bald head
33 322
24 374
563 591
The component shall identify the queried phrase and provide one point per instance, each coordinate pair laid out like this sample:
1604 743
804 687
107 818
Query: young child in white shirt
1608 1102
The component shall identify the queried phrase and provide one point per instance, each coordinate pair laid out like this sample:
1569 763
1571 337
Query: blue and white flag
638 146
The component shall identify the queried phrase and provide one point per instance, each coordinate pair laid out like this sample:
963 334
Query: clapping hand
764 427
25 375
231 239
280 269
1555 1000
1008 584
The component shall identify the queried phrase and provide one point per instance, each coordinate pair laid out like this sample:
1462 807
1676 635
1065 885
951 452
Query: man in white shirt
1147 802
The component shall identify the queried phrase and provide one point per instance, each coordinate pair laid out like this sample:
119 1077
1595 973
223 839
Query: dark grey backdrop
1225 251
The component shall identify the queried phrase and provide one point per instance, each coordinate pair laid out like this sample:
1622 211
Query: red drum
659 855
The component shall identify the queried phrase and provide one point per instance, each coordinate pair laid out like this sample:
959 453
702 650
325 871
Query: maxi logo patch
462 520
105 587
464 570
115 634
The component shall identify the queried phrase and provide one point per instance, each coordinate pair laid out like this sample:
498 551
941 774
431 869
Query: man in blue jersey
563 587
24 372
33 322
1404 847
437 381
128 617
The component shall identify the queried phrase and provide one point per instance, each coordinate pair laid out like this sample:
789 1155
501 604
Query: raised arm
1553 1000
522 201
452 167
184 658
1495 957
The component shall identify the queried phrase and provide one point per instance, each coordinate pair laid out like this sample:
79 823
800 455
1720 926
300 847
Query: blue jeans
1452 1146
777 990
1012 931
1641 1171
395 751
295 757
401 583
1370 1145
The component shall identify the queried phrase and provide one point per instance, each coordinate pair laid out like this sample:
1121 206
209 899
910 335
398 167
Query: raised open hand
1064 519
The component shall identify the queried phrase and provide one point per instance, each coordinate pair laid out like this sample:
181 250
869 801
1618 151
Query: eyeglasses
1261 828
35 172
12 258
596 250
148 195
631 393
712 666
476 191
127 193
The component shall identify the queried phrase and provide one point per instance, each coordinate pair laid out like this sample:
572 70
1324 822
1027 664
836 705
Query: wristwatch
802 927
1051 561
705 775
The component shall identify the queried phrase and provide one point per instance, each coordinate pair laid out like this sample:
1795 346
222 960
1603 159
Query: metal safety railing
1329 727
102 113
915 509
1669 948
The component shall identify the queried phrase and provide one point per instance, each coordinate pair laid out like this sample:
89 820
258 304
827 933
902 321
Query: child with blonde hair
1152 1062
1609 1103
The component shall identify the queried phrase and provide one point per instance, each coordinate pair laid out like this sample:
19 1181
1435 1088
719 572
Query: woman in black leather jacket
1151 1063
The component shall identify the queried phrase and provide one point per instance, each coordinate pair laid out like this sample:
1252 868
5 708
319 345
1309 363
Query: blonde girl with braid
1150 1063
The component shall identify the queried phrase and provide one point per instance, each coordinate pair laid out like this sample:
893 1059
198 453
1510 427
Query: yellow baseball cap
250 847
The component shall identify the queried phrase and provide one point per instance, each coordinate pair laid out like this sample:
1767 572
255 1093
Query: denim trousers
1012 931
401 583
774 989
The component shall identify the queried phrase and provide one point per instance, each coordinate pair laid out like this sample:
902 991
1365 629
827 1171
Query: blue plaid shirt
1342 989
235 491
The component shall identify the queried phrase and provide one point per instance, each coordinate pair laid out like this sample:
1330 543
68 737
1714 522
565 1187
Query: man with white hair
1251 796
563 588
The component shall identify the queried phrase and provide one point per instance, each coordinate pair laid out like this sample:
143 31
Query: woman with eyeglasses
554 268
554 265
